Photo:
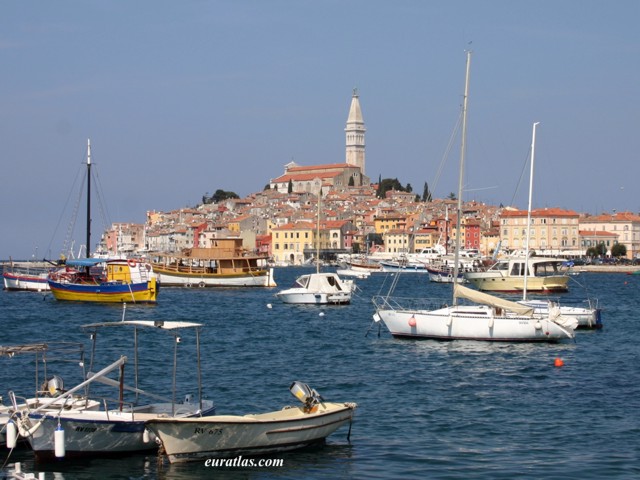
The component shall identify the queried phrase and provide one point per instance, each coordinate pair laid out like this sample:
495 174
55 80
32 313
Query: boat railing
383 302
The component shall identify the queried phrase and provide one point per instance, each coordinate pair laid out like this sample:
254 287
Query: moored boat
223 436
30 276
224 264
104 280
544 275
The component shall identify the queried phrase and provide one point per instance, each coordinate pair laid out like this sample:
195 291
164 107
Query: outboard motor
306 395
54 386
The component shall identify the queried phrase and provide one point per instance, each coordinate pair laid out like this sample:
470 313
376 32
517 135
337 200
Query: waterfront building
553 231
626 225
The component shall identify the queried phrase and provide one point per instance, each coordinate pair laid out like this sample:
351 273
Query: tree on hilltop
218 197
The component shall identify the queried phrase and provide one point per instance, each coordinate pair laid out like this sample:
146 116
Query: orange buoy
412 321
558 362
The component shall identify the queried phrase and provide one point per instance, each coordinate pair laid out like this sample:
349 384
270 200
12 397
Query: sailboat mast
526 264
88 244
463 149
318 233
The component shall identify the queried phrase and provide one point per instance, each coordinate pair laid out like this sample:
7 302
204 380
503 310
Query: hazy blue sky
181 98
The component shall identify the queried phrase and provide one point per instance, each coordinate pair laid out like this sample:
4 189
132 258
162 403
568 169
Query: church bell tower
355 134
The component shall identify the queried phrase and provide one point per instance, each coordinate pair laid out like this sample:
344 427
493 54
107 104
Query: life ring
132 263
201 285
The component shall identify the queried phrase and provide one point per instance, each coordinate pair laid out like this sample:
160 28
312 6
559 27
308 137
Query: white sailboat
587 317
318 288
487 318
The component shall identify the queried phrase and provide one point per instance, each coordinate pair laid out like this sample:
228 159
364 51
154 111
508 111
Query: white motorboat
223 436
119 427
318 289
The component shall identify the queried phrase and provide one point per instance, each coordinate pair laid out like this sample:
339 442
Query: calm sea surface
426 409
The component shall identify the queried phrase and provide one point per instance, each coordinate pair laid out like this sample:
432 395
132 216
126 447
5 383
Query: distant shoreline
607 268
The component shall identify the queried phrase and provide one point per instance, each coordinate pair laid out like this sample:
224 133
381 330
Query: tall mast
526 249
88 244
463 149
318 233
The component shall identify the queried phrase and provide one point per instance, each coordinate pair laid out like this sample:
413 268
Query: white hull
89 433
586 317
32 283
471 323
203 281
303 296
228 435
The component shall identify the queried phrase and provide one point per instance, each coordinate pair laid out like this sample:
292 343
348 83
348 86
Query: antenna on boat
463 148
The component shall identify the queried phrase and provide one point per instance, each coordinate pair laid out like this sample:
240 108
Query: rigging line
454 133
62 213
102 204
524 166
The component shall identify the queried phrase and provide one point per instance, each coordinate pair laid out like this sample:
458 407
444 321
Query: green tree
619 250
452 196
426 194
290 187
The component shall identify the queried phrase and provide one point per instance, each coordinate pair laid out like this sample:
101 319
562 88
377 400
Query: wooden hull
174 278
109 292
223 436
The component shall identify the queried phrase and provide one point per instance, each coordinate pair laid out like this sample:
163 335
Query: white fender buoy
12 434
321 314
269 305
538 325
449 318
58 441
145 436
491 322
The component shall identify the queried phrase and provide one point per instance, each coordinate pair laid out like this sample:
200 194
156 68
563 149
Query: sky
180 99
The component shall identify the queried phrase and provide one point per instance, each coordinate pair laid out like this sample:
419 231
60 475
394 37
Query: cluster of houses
282 223
284 226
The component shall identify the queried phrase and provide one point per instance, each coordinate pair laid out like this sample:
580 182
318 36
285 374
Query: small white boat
220 436
45 395
350 272
318 289
119 427
587 317
30 276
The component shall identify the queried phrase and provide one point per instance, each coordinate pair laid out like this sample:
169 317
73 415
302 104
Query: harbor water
426 409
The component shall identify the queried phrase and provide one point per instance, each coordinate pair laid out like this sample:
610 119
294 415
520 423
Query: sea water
426 409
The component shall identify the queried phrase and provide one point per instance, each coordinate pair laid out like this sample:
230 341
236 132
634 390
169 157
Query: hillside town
339 204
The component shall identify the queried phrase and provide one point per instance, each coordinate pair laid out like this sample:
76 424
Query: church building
333 175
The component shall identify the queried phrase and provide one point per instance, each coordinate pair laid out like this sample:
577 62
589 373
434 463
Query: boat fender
538 325
412 321
58 442
201 285
491 322
11 435
449 318
145 436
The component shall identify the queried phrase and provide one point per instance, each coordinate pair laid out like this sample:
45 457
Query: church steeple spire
355 134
